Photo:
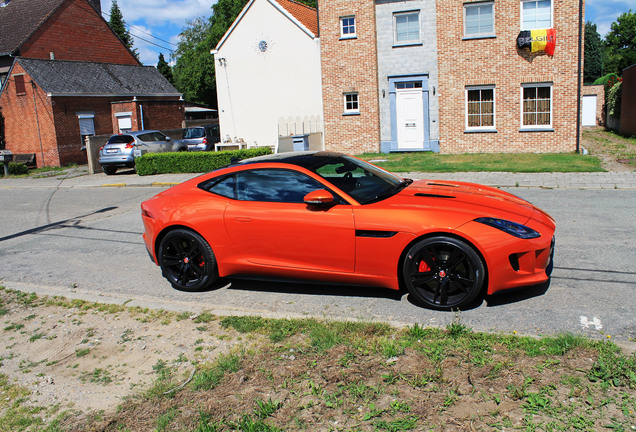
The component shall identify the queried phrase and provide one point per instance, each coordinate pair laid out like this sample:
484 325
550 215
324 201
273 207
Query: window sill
348 37
479 37
468 131
356 113
543 129
402 45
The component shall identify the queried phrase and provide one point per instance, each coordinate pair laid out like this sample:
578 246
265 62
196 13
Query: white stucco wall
256 89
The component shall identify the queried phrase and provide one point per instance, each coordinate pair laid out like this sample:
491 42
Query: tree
620 43
165 69
118 25
593 66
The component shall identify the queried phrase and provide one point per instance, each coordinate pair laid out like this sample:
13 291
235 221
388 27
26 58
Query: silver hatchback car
121 150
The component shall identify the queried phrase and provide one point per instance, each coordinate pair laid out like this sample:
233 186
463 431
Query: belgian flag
538 40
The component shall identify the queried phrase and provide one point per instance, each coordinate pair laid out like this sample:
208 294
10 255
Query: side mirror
168 138
319 198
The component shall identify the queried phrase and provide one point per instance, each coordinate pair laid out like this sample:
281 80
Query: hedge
192 162
17 168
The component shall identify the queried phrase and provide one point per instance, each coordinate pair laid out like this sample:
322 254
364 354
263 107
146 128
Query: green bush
192 162
16 168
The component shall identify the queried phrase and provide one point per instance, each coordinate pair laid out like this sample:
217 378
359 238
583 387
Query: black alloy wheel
187 260
443 273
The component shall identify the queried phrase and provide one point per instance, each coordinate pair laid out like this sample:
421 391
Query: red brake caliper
423 267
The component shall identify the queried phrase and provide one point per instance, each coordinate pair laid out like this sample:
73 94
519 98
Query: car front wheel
443 273
187 260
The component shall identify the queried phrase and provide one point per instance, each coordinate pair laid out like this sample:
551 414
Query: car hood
469 197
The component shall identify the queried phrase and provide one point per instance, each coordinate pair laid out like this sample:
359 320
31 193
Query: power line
130 27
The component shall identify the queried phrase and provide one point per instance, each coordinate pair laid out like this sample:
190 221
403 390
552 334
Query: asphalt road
86 243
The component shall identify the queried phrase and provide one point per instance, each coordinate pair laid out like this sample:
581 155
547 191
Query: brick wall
75 31
497 61
599 91
65 114
349 65
157 113
23 134
628 102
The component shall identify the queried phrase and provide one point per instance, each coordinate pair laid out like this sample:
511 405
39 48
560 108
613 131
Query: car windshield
364 182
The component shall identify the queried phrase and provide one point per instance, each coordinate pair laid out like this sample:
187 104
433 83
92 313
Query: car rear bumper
118 161
197 147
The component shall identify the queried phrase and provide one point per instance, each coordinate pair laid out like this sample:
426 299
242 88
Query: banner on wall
538 40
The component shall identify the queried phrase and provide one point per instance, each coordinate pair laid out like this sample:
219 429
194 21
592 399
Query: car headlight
509 227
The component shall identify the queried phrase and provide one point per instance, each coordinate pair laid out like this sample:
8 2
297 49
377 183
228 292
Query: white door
589 110
410 119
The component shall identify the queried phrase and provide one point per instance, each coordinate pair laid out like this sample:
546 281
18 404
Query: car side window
266 185
274 185
158 136
225 187
145 137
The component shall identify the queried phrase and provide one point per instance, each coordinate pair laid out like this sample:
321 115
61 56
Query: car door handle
243 219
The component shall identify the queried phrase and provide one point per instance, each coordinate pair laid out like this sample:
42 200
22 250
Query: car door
269 223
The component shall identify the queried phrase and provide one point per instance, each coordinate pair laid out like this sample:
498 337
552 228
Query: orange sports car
331 217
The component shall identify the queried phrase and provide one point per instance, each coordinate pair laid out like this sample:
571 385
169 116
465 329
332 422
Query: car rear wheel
187 260
443 273
109 170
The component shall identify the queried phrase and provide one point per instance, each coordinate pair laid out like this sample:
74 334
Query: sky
156 24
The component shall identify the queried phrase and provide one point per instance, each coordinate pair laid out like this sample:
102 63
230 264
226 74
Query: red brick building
349 75
497 97
64 74
505 78
49 106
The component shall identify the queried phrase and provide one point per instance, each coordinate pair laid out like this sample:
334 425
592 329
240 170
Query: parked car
120 150
334 218
201 138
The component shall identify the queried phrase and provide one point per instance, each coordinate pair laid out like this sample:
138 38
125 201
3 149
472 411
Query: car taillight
130 145
101 148
205 140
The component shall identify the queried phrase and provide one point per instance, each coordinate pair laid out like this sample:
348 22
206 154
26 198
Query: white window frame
521 24
344 35
475 5
537 126
346 102
419 28
494 108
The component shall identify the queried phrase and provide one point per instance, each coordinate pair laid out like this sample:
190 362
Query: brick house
349 66
66 75
49 106
449 76
496 97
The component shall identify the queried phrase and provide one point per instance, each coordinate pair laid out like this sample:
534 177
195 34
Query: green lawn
510 162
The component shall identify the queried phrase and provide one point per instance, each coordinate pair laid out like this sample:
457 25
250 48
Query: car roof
305 159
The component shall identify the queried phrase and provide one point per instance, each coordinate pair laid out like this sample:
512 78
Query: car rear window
193 133
120 139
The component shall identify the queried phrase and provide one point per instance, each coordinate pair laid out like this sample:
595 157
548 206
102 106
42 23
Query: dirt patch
109 368
88 357
617 153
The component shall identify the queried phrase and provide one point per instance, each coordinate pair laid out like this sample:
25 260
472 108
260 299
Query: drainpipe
37 119
141 113
578 80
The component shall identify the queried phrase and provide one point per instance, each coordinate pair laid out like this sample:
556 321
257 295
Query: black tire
187 261
443 273
109 170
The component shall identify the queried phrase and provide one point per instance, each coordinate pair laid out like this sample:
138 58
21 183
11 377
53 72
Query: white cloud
604 12
157 12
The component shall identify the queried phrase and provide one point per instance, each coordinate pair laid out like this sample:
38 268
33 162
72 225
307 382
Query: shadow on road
42 228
